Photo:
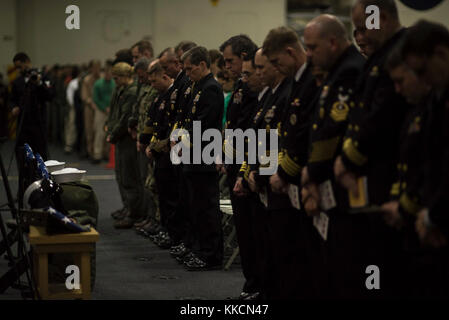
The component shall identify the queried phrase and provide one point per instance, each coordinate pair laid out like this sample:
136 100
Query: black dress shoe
186 257
151 229
164 242
243 295
177 247
178 251
118 212
197 264
156 237
252 296
125 223
122 214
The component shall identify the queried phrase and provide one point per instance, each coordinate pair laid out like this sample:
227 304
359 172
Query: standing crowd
361 181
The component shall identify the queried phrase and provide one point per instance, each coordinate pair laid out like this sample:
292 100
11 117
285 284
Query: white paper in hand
321 223
293 194
327 196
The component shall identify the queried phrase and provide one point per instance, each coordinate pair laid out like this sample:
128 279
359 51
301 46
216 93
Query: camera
33 75
37 76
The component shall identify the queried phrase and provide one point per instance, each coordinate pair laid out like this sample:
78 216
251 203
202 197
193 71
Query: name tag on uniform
327 196
264 197
293 194
361 200
321 223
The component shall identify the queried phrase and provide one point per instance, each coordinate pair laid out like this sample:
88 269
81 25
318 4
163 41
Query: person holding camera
30 93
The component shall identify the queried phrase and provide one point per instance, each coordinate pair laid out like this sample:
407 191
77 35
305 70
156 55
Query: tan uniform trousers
100 146
70 130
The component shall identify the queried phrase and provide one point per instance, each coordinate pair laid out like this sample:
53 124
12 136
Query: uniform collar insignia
295 102
374 71
174 95
270 114
197 97
238 96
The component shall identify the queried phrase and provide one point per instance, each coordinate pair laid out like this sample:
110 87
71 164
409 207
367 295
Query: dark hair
92 62
384 5
196 55
169 51
395 58
142 64
222 75
185 46
22 57
124 55
214 55
251 57
279 38
75 72
156 69
221 62
144 45
422 38
239 44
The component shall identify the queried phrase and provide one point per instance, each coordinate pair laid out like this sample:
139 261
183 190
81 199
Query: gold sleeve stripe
395 189
246 175
243 167
411 206
324 150
148 130
226 150
174 128
353 154
289 166
186 141
230 149
280 156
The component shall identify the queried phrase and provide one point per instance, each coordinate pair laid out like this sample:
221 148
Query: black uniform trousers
356 241
309 271
202 196
182 212
286 259
167 182
249 225
425 267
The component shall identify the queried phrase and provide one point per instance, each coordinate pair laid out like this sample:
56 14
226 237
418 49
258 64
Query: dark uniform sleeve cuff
438 215
408 204
145 138
112 139
286 177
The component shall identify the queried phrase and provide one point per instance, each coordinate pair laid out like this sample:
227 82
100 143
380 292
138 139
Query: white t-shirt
70 93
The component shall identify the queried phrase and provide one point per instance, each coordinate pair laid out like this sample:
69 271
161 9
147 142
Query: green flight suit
126 163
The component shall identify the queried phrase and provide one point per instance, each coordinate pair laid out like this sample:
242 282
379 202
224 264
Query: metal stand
22 263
